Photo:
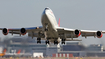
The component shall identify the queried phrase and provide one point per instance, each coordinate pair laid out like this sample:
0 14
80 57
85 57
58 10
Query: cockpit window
46 8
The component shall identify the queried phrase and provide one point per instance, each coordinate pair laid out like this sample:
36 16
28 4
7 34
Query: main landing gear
47 41
55 42
39 40
63 41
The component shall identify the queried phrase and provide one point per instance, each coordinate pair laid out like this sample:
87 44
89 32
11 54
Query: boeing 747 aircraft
51 31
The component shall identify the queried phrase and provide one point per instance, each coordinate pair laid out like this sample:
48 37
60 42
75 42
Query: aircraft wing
86 33
70 33
29 30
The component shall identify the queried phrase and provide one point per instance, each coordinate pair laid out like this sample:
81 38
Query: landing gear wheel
47 42
55 42
46 29
63 41
38 40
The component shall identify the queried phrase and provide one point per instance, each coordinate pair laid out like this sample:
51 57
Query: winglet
59 22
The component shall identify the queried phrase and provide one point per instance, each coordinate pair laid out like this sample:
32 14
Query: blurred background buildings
28 46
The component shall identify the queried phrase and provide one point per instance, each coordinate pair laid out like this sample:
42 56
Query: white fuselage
49 19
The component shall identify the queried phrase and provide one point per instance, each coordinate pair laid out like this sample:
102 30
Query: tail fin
18 51
59 22
3 53
4 50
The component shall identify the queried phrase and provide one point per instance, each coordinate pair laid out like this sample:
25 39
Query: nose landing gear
46 28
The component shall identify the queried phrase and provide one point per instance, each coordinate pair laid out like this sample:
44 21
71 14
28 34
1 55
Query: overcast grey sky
76 14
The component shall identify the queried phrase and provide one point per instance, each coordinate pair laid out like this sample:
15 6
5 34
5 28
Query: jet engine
23 31
77 33
99 34
5 31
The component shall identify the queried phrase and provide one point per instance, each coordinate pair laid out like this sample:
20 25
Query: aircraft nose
44 12
47 8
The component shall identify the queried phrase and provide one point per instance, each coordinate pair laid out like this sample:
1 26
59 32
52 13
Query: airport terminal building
30 46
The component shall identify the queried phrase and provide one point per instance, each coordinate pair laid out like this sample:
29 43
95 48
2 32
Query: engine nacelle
77 33
5 31
99 34
23 31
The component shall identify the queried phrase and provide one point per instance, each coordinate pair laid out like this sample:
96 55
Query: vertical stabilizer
18 51
3 53
59 22
4 50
